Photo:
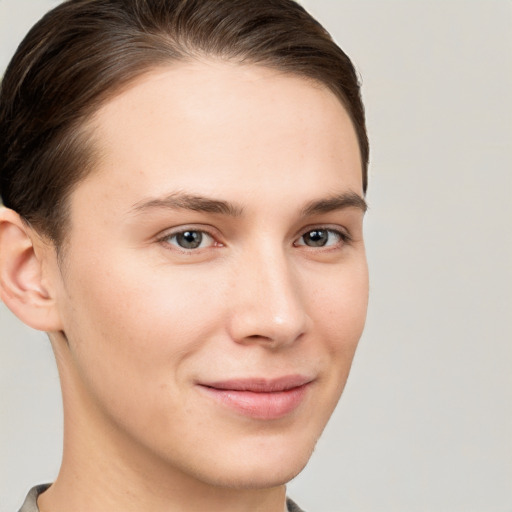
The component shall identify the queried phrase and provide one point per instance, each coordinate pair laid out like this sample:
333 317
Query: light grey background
425 423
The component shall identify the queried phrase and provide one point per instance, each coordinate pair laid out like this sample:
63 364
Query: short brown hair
82 52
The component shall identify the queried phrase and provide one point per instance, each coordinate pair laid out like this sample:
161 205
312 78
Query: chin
260 467
262 476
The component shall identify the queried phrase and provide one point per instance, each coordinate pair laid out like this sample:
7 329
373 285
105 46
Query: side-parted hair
84 52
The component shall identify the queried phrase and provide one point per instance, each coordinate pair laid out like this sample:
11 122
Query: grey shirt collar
30 504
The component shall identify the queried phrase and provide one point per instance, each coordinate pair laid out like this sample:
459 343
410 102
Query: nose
267 301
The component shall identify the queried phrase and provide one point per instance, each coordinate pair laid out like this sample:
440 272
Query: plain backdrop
425 423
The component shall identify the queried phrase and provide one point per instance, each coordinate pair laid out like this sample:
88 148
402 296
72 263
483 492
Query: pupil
190 239
316 238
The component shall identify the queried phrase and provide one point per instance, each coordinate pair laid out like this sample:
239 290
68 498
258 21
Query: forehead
212 124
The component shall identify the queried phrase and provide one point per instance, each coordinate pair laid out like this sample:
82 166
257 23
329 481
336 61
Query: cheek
130 322
340 307
134 334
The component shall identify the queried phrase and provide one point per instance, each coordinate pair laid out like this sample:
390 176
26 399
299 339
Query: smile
260 398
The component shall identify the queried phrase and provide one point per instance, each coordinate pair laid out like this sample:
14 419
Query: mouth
263 399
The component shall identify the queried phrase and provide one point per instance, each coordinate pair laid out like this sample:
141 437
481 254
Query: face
214 287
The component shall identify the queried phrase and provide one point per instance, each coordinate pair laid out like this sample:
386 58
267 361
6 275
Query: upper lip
259 385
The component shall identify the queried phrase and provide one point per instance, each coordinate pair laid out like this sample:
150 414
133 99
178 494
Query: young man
184 187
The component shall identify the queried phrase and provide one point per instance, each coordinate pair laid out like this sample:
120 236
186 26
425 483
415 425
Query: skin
138 322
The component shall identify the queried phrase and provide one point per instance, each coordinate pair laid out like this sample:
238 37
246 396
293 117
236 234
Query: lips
263 399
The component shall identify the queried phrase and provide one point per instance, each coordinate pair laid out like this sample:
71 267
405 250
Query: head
83 53
184 184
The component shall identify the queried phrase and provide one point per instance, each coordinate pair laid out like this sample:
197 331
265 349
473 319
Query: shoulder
291 506
30 503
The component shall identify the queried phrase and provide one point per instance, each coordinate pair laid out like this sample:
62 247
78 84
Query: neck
104 470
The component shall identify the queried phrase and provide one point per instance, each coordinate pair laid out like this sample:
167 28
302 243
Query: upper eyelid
166 233
343 234
328 227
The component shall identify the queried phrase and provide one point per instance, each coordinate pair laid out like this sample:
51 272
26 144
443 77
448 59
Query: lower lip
262 406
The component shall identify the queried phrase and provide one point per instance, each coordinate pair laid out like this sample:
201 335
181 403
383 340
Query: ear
24 287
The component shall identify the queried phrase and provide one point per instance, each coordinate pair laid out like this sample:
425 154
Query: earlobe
23 287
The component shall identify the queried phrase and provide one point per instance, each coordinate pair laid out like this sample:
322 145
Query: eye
190 239
322 237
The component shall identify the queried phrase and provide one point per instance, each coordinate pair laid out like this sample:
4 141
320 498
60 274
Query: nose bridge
268 300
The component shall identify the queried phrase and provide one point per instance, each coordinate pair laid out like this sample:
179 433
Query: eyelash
344 238
165 240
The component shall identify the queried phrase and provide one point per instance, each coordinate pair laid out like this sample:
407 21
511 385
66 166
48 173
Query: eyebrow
184 201
337 202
